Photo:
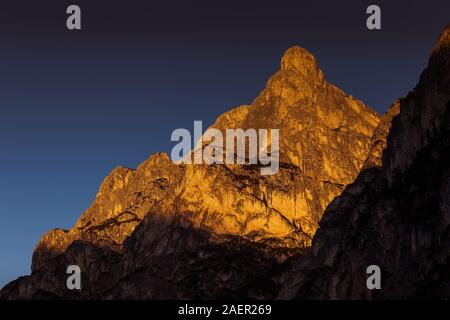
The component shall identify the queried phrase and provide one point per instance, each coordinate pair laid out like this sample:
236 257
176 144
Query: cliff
168 230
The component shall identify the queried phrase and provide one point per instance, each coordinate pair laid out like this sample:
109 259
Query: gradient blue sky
73 105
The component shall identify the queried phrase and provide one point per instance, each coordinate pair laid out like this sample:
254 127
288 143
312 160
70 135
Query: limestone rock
166 230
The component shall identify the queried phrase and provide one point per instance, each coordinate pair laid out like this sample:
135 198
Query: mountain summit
443 42
301 61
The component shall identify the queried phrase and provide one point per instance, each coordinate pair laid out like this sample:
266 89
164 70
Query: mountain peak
443 41
299 60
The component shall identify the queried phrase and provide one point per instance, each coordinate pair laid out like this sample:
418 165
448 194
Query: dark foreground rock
397 213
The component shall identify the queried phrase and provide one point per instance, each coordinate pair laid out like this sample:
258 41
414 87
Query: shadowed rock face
183 231
162 259
397 213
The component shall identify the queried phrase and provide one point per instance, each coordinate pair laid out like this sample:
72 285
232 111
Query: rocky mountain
396 215
168 230
353 190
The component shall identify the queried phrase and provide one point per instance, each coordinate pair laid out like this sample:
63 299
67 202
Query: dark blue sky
73 105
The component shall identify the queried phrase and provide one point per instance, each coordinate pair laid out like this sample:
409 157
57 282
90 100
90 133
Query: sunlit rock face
199 215
397 213
316 120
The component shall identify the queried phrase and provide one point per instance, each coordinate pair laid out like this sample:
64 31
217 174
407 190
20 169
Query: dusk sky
76 104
